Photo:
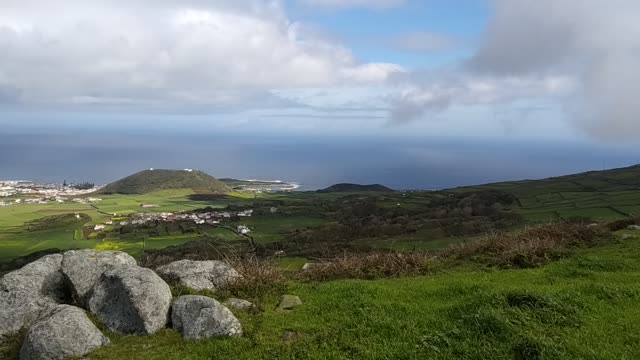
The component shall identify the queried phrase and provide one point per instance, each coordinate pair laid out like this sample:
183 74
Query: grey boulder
200 317
26 293
65 332
131 300
18 310
82 269
41 278
199 275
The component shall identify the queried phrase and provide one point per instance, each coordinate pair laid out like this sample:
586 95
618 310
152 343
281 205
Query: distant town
30 192
14 192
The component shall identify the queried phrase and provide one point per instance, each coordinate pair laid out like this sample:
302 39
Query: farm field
399 221
599 195
15 241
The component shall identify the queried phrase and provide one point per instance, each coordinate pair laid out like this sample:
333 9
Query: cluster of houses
209 218
212 218
30 192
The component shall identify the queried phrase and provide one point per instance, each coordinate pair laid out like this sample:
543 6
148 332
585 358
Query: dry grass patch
530 247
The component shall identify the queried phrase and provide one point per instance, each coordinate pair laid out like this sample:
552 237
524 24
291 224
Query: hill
599 195
149 181
345 187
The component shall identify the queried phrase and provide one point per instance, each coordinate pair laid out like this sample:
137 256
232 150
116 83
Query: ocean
313 161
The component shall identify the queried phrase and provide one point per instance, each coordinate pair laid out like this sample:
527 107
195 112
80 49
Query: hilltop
620 179
345 187
599 195
149 181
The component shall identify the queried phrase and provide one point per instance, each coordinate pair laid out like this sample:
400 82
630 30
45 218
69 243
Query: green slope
599 195
584 307
149 181
622 179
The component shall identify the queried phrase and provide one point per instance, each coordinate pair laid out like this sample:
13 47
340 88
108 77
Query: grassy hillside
599 195
583 307
355 188
149 181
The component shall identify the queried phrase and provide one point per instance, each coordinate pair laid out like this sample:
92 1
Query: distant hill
355 188
595 195
613 180
148 181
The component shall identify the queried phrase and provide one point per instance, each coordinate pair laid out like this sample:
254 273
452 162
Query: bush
525 249
373 266
259 278
622 224
528 248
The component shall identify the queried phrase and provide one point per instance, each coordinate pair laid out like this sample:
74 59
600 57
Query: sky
498 71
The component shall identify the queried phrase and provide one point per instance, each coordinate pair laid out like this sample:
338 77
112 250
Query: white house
243 229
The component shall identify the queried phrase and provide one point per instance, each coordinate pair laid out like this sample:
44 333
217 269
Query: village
30 192
200 218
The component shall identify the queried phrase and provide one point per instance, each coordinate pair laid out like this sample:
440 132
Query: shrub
531 247
622 224
373 266
259 278
528 248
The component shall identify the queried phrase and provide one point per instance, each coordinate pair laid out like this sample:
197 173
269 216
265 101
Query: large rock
19 309
200 317
82 269
199 275
41 278
65 332
131 300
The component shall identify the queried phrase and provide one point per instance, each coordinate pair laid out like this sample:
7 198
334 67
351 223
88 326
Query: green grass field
268 229
14 241
599 195
584 307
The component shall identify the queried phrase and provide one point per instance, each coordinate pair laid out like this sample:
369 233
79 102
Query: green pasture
15 241
266 229
583 307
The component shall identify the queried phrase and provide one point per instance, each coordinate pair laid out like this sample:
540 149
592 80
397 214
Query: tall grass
530 247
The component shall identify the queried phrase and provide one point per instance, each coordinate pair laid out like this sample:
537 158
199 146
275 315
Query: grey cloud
594 41
585 52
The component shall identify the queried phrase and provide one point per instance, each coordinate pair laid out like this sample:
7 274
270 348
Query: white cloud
595 42
165 53
583 54
439 91
346 4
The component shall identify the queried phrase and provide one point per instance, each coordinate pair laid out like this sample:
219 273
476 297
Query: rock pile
50 296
